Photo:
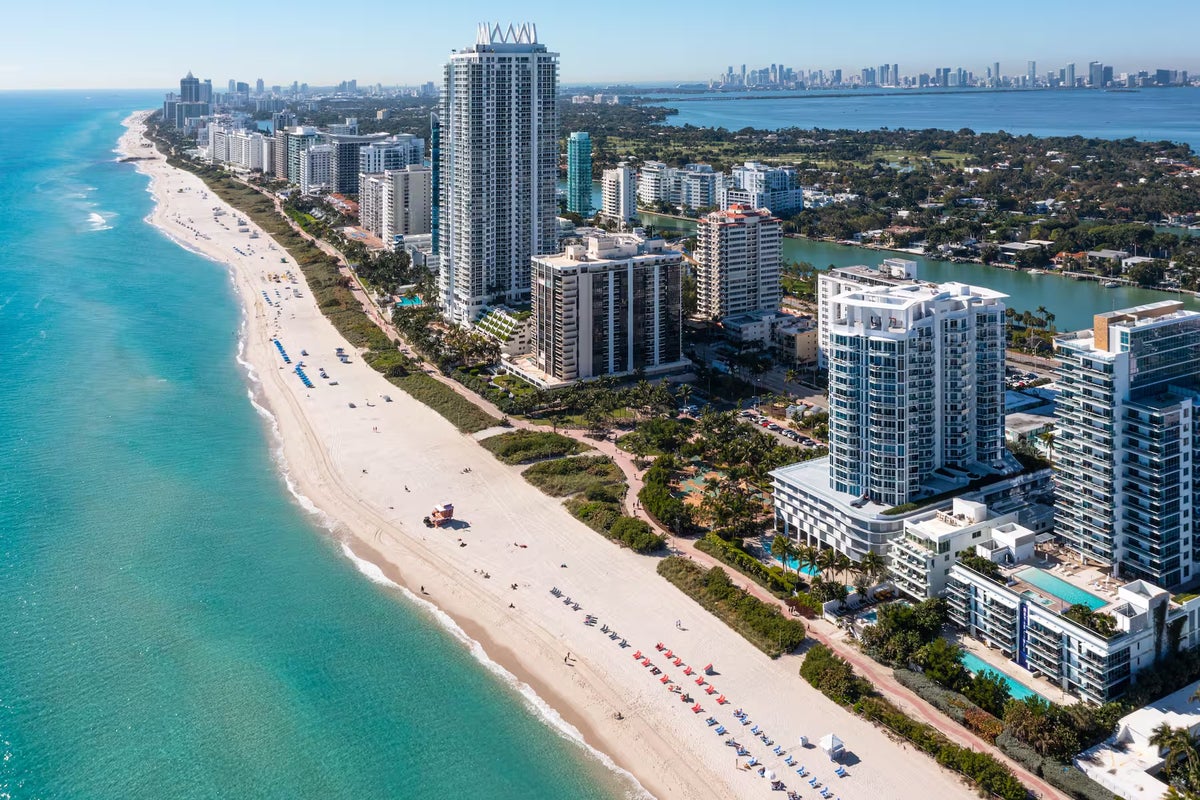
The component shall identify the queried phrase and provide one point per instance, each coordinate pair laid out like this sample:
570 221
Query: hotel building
916 411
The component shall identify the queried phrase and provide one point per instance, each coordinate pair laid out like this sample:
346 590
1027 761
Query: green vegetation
761 624
903 630
773 578
834 678
331 290
983 566
1095 621
587 475
1077 193
524 447
636 534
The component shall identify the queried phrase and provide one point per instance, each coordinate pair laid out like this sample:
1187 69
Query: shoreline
355 466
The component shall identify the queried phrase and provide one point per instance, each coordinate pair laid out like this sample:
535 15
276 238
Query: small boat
1110 284
1036 272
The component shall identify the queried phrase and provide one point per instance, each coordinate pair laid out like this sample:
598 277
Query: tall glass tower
579 173
498 169
1127 442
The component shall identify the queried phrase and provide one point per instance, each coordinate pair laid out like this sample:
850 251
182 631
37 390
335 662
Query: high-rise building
499 165
189 89
916 385
1031 73
996 73
737 255
259 86
396 203
344 168
833 283
1070 79
619 194
314 168
395 152
654 183
610 306
1095 74
755 185
296 142
1127 442
579 173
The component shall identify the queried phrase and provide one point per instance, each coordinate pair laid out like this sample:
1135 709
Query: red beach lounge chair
696 709
638 654
664 679
699 680
721 700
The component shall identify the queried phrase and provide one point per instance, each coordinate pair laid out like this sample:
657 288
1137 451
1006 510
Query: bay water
175 624
1149 114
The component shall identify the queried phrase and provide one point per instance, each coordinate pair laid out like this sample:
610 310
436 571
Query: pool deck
1089 578
996 660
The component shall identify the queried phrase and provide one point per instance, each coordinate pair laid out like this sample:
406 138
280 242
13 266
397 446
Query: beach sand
354 466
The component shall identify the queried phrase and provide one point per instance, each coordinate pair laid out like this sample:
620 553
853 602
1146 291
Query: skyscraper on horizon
189 89
579 173
499 166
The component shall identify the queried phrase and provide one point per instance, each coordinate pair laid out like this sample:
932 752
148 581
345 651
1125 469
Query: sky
89 45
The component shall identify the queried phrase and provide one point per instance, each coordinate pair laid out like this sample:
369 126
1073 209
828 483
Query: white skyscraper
737 255
916 384
619 193
835 282
499 164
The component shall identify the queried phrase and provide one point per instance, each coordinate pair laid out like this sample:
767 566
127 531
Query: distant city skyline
105 48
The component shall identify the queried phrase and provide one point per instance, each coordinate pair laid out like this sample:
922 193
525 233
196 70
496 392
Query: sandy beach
374 471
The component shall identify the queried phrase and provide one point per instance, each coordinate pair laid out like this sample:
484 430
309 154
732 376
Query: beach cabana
832 746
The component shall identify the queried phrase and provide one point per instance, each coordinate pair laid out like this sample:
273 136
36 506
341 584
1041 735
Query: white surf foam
98 221
536 704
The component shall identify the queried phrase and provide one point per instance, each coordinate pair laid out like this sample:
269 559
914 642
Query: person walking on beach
567 658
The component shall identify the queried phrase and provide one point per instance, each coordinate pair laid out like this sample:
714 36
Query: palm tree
844 565
875 566
781 548
789 376
1182 750
806 556
684 393
827 561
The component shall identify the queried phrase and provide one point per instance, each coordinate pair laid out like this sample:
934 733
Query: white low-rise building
920 559
1128 765
1032 615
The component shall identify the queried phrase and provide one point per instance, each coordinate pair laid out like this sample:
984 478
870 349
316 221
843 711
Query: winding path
819 629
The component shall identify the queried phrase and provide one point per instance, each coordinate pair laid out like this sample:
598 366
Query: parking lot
789 436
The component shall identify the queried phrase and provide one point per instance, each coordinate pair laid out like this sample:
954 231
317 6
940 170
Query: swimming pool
409 302
1016 689
1060 588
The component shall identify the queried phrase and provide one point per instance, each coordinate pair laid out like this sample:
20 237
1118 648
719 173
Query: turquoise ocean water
173 624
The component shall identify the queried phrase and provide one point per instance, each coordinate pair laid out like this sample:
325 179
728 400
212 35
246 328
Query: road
820 630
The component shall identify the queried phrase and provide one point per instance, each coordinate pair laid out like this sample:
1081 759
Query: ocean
176 625
1148 114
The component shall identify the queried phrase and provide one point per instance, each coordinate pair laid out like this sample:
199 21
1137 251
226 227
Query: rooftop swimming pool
1016 689
1068 593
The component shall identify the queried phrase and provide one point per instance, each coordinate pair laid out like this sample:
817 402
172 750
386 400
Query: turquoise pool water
410 302
1060 588
792 563
1016 689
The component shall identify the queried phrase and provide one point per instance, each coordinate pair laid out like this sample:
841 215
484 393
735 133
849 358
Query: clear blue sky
77 44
